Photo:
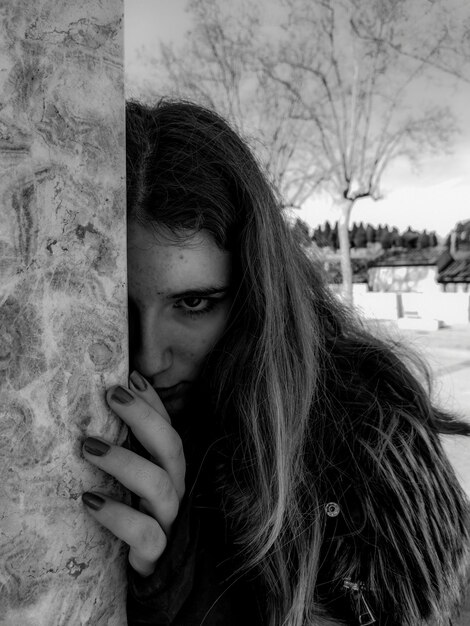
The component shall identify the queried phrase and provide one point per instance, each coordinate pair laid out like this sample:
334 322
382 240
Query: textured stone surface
62 305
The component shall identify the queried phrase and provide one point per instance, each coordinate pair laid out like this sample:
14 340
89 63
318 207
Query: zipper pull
359 604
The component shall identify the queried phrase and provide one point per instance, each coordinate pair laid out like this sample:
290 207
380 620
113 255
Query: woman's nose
152 359
150 347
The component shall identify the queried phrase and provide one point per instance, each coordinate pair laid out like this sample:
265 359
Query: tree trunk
343 234
63 335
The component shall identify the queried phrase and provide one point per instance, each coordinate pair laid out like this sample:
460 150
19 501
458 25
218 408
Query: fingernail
121 395
138 381
93 501
96 446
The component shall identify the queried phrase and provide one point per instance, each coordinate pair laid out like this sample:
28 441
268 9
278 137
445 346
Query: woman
301 479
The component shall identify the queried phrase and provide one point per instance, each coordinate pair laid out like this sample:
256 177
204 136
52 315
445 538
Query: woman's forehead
167 266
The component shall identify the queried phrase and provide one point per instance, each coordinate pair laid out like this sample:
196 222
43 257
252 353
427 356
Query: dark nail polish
121 395
93 501
138 381
96 446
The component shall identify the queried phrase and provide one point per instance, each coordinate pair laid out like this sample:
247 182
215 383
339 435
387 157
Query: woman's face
179 307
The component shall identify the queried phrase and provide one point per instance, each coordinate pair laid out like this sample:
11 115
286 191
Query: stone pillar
63 331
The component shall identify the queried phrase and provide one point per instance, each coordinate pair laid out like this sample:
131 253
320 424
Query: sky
436 196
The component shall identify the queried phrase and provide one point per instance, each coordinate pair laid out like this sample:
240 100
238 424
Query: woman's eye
197 305
194 304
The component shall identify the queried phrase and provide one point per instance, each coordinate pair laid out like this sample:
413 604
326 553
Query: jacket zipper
359 604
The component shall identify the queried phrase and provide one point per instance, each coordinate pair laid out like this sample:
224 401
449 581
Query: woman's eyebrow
199 292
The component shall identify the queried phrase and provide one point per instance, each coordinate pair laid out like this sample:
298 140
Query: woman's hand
159 483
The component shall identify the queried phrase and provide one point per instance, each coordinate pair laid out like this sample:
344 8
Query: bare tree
354 68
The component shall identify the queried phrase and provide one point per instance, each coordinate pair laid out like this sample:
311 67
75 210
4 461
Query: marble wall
63 335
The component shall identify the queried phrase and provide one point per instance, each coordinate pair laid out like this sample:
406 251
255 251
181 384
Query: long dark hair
315 409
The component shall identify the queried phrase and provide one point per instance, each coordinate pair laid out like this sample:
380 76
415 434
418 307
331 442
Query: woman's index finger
145 391
153 430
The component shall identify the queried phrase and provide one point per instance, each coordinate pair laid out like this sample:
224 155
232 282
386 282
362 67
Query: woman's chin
175 406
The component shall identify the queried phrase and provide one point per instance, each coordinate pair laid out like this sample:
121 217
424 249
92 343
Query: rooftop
458 271
400 257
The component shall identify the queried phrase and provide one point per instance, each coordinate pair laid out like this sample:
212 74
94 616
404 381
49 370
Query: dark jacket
192 584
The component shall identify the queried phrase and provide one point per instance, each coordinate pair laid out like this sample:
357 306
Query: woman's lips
166 393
